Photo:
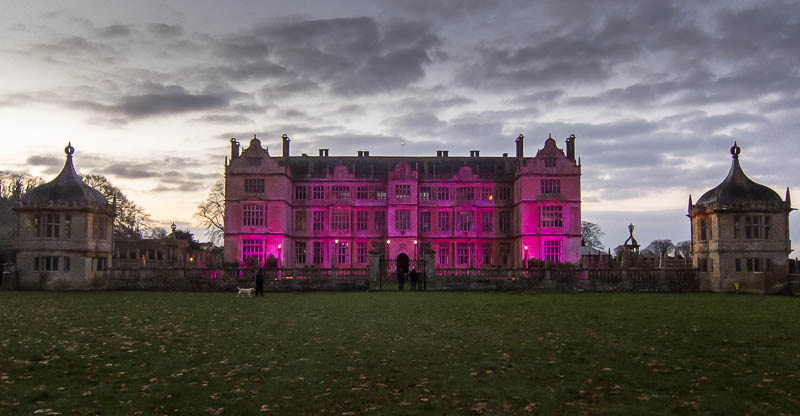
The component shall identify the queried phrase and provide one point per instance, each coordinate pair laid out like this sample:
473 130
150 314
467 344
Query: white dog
245 291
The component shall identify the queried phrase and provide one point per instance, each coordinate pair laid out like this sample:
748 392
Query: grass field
398 353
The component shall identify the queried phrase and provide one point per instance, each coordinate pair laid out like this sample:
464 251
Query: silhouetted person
401 278
260 283
414 277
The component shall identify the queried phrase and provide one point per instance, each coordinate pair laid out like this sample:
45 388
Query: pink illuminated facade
472 211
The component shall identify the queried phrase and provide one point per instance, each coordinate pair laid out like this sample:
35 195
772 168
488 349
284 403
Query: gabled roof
379 166
66 187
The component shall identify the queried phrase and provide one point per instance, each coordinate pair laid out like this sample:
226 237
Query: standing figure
413 276
260 283
401 278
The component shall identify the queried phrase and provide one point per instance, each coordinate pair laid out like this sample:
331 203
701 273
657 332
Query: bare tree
684 248
211 213
658 248
590 235
14 185
132 221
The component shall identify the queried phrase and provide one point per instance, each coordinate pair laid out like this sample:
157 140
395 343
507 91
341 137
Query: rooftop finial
254 136
69 150
549 135
173 227
735 150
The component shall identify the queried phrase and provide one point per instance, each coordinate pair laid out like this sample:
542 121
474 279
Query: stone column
375 257
429 274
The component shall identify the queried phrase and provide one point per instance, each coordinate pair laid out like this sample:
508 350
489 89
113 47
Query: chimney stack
285 139
234 148
323 152
520 147
571 147
474 153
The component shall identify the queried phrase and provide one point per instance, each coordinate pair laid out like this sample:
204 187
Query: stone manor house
473 211
461 213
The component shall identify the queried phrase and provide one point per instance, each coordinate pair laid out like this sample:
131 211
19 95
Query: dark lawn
398 353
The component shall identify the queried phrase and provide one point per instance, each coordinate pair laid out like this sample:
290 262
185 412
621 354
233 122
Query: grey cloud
165 30
254 70
242 48
52 164
348 56
225 119
71 45
712 124
114 31
129 170
538 97
443 9
159 100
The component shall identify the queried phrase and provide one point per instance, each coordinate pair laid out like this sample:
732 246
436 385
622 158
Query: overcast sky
150 92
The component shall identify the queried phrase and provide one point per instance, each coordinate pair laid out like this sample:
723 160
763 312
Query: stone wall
565 280
282 280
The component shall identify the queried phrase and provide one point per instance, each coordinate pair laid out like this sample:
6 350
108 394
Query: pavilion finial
735 150
69 150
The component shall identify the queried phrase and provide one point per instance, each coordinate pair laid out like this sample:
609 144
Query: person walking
413 276
260 282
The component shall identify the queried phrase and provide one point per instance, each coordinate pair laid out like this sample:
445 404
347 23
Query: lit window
301 192
503 193
505 253
486 193
442 193
318 220
319 253
253 248
465 193
342 253
465 221
379 192
425 221
340 221
487 253
551 216
462 254
300 220
318 192
424 193
300 252
486 221
552 250
504 221
361 252
551 186
402 220
254 186
402 191
444 221
444 254
361 220
380 221
253 215
341 193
